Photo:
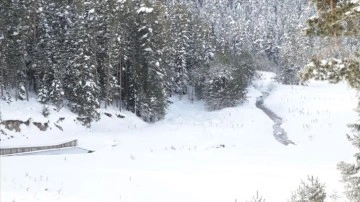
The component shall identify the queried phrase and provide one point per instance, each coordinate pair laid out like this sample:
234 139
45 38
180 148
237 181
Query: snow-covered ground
193 155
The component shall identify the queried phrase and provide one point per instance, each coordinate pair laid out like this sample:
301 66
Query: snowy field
191 156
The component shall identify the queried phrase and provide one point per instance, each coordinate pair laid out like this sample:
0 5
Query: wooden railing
16 150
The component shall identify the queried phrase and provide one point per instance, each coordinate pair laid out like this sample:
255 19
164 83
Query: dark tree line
136 54
131 54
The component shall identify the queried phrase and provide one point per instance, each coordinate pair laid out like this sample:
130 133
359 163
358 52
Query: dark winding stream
278 132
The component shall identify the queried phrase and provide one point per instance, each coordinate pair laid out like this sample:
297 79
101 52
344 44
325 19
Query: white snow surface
192 155
145 10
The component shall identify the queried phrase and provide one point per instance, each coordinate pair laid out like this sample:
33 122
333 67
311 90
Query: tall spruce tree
201 50
145 78
16 34
48 60
130 54
107 48
180 19
3 26
85 97
153 83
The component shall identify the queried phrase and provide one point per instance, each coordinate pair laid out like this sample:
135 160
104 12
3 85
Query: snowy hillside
192 155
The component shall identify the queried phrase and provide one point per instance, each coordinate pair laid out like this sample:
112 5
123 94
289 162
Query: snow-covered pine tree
201 49
227 80
309 191
349 171
69 48
129 39
296 48
293 53
15 38
3 69
85 97
107 47
48 61
215 86
144 76
180 19
153 84
115 54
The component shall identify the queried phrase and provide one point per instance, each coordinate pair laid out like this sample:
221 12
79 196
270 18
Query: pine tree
69 49
145 77
296 48
335 19
180 18
310 191
108 47
3 68
350 171
227 80
130 54
48 61
15 35
86 89
153 83
200 51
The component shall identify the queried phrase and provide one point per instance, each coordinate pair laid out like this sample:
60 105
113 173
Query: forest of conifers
136 54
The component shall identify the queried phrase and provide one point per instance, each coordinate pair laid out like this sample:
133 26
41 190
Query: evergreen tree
3 68
16 33
146 83
296 48
48 61
335 19
201 50
227 80
108 47
349 171
69 49
130 54
309 191
153 83
180 19
84 100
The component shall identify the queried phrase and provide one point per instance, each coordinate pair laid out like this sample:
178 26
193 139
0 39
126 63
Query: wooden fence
15 150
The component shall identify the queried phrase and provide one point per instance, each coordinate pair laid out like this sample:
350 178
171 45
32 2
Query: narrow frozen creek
278 132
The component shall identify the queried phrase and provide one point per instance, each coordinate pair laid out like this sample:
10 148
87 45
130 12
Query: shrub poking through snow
257 198
45 111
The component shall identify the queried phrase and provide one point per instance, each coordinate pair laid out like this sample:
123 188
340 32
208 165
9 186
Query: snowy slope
193 155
